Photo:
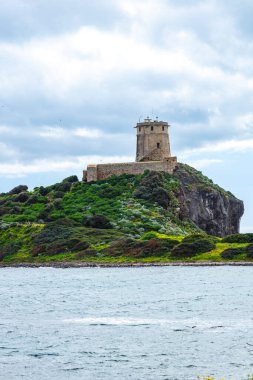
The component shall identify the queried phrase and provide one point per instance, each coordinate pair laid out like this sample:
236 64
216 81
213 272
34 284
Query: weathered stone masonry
152 153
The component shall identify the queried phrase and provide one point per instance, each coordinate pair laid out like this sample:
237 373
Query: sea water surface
126 323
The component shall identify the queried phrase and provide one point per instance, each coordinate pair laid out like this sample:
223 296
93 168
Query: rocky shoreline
79 264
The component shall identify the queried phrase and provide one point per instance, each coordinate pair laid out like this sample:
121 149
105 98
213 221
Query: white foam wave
114 321
199 324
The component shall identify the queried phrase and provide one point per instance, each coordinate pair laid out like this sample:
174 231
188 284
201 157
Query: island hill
154 210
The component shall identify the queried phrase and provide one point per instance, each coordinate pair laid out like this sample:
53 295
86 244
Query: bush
84 254
4 210
230 253
80 246
121 246
16 210
43 190
195 237
158 247
58 194
238 238
192 249
43 216
71 179
21 197
109 192
18 189
97 221
138 249
149 235
249 251
9 249
57 203
32 199
151 188
64 187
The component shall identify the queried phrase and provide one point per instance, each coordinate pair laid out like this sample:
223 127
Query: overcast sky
76 76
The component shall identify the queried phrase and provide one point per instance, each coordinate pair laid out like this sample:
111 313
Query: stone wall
103 171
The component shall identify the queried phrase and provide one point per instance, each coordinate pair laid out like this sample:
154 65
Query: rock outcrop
214 210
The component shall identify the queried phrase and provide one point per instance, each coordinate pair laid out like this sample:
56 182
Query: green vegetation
193 248
197 178
122 219
238 238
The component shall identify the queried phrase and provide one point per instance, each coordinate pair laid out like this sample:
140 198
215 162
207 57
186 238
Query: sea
145 323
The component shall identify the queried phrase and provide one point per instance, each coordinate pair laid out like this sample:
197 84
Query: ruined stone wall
103 171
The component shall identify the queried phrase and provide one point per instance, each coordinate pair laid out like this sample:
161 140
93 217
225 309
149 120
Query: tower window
152 128
158 145
139 129
163 128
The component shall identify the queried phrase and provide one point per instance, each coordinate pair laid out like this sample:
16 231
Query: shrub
249 251
32 199
9 249
195 237
80 246
64 187
71 179
43 190
43 216
84 254
16 210
4 210
58 194
65 222
158 247
238 238
230 253
151 188
192 249
97 221
21 197
109 192
138 249
120 246
51 232
58 203
149 235
18 189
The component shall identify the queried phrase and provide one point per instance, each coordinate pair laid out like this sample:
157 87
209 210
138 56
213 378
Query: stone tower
153 142
153 153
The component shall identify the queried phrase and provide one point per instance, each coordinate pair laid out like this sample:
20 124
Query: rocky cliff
214 210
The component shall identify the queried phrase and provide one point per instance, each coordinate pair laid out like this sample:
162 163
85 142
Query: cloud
230 146
57 164
203 163
87 133
22 19
6 152
59 133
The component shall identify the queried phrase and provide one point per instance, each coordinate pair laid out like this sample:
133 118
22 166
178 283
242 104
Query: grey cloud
20 19
30 145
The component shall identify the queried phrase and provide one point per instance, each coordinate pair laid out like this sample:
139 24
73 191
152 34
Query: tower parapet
153 143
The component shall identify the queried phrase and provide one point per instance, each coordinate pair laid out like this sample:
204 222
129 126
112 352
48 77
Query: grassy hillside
122 219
